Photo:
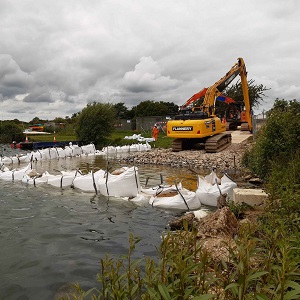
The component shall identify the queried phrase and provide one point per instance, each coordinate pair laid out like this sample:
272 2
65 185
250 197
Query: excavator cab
236 116
201 115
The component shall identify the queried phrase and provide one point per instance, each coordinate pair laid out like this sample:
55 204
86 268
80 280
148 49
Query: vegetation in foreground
262 261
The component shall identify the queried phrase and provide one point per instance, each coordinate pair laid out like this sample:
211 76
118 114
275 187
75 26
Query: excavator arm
244 82
202 93
194 98
216 89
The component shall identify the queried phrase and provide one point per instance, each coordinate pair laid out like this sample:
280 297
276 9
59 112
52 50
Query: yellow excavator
199 125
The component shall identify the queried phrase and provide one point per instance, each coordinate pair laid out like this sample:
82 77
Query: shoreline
228 160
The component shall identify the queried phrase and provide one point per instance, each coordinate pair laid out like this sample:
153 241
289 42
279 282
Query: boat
175 197
32 132
123 182
208 192
39 145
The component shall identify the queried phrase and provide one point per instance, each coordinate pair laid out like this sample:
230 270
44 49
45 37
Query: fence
258 121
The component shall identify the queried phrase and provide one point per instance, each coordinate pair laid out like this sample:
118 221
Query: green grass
116 139
50 138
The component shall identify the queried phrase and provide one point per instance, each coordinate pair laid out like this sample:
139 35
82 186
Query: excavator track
212 144
177 145
218 142
244 127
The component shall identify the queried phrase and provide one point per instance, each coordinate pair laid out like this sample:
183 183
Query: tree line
96 121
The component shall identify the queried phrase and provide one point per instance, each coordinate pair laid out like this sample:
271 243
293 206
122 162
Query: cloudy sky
57 56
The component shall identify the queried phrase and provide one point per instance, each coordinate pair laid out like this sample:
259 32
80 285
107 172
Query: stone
256 198
178 224
222 222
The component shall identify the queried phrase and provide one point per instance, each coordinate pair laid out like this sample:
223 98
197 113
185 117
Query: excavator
199 125
235 116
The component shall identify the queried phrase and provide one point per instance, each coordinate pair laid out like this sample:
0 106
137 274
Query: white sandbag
208 193
88 182
183 200
126 184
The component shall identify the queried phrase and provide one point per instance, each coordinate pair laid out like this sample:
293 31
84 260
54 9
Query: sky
58 56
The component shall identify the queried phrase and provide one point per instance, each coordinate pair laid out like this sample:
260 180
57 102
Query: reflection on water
50 237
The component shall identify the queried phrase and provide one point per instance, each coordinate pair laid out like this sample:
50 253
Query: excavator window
194 116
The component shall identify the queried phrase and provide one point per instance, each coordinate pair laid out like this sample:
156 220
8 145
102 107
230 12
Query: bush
256 268
277 140
9 132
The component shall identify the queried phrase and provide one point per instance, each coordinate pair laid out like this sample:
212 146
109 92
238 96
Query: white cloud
74 52
147 77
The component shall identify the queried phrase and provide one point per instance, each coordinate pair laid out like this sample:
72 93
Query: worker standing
155 131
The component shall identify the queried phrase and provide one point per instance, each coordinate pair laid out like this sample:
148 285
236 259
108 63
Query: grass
116 139
50 138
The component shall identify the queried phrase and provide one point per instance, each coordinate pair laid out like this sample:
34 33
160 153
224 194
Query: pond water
50 237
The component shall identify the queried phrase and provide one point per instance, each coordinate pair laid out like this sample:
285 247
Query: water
50 237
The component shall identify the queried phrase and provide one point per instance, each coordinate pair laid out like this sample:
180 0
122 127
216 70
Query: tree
36 120
155 108
256 94
277 143
58 120
172 108
95 123
121 110
235 91
10 131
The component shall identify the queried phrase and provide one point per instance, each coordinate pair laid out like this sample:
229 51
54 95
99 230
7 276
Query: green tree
278 140
59 120
10 131
121 110
172 108
256 92
155 108
234 91
36 120
95 123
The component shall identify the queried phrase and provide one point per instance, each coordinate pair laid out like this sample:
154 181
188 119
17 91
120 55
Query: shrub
277 140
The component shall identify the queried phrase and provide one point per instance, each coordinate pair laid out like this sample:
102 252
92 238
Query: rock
256 181
33 173
178 224
247 178
198 159
221 201
220 223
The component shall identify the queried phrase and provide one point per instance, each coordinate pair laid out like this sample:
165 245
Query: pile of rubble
229 158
